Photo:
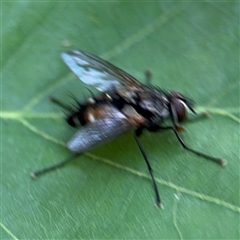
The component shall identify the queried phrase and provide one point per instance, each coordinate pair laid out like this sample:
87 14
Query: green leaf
107 194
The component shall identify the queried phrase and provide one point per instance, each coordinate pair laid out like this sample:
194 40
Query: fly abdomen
102 130
76 119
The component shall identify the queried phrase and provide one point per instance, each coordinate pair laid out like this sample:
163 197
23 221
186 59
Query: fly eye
181 109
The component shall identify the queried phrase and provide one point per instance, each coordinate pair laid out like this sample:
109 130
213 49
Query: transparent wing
100 131
97 72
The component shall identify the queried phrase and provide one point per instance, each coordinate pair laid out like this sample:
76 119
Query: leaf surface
107 194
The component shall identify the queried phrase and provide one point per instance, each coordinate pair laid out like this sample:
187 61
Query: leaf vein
174 211
8 231
137 173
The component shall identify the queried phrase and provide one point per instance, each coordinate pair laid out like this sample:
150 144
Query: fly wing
97 72
101 131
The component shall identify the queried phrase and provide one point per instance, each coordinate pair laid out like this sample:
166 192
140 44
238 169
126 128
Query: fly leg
38 173
137 134
148 77
219 161
198 117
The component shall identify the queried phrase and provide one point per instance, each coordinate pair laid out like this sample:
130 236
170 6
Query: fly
123 105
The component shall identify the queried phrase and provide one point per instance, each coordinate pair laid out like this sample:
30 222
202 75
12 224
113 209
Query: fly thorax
133 117
162 109
157 106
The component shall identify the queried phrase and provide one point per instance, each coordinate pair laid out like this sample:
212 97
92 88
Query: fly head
179 106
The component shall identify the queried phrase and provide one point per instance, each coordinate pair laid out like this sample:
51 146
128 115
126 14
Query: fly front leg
137 134
157 128
198 117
